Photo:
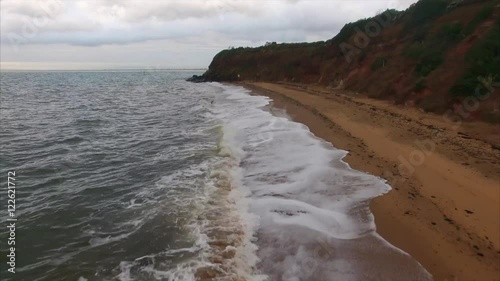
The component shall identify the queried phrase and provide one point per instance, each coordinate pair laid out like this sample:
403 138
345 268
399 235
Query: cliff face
437 55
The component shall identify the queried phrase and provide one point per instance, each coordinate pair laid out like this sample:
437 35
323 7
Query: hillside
442 56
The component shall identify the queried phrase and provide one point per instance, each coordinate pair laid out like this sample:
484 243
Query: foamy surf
314 221
273 202
194 182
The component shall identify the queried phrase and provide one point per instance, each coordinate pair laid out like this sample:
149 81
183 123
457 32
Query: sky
125 34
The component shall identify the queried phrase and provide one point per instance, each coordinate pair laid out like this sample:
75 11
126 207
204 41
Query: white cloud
93 26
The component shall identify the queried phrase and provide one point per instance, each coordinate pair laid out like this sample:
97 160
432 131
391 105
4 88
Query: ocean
140 175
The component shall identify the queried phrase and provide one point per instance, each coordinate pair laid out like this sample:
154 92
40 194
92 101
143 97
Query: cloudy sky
104 34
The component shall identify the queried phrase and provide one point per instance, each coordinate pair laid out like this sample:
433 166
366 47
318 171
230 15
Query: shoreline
443 209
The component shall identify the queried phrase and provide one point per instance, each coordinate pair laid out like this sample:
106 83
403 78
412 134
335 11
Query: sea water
139 175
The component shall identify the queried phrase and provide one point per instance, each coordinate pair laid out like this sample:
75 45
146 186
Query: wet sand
445 204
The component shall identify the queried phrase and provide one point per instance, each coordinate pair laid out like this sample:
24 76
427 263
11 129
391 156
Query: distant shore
445 203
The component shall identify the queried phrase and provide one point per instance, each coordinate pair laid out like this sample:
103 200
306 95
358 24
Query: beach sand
444 208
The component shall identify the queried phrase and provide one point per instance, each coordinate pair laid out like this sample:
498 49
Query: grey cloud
20 24
34 8
141 11
123 22
204 26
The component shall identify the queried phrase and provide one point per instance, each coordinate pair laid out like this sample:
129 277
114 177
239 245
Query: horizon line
104 69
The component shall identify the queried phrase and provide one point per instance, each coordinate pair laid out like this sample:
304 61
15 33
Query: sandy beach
445 203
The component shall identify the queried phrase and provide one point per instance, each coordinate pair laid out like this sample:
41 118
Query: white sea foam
277 203
305 200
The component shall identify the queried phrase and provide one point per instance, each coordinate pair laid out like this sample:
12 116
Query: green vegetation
350 29
429 62
452 32
420 85
247 66
362 55
483 60
427 39
271 46
415 50
478 19
421 33
379 63
289 69
431 49
424 11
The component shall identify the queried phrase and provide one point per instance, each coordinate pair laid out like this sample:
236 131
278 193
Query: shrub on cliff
451 32
360 26
424 11
415 50
478 19
349 29
379 63
420 85
483 60
429 62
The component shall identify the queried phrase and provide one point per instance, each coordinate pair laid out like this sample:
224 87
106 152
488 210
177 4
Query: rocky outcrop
197 79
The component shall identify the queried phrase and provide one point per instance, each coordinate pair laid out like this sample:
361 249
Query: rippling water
143 176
